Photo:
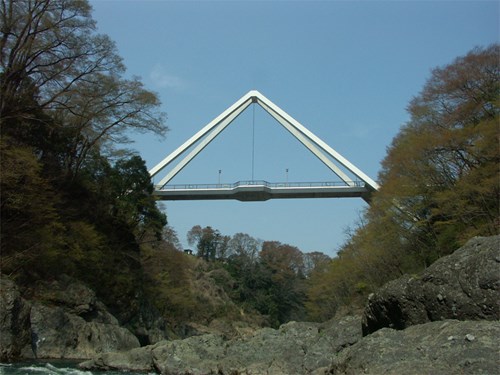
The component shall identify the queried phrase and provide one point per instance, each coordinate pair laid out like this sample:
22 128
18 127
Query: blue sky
345 69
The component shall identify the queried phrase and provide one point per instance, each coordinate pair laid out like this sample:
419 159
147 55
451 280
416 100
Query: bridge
251 191
353 182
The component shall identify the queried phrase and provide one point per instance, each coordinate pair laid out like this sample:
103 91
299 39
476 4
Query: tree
134 202
244 246
282 258
66 206
168 280
209 242
30 222
442 167
440 185
50 51
315 260
170 236
287 288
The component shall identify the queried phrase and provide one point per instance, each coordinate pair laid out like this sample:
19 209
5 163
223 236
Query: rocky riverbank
443 321
337 347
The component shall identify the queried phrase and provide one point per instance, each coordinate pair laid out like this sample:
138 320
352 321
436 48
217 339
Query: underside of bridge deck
261 192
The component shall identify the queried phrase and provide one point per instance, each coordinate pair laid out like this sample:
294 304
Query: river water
52 368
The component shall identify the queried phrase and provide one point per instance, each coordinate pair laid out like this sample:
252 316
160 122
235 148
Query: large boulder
14 321
295 348
146 323
464 285
440 348
194 355
138 359
59 334
279 351
333 336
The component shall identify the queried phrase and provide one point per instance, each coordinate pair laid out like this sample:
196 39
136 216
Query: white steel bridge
353 182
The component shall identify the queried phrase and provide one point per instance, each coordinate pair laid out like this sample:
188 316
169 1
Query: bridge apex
254 93
313 143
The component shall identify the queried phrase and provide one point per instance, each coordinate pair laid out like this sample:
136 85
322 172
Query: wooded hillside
439 185
75 202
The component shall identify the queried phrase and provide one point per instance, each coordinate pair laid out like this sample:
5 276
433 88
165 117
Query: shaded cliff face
14 321
63 320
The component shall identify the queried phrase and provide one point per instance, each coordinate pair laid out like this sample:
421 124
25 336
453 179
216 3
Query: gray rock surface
75 298
65 321
464 285
14 321
439 348
59 334
295 348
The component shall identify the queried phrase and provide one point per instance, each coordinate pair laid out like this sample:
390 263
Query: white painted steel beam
306 142
195 138
330 151
204 143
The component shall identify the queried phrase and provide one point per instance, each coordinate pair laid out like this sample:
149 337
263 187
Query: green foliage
168 280
440 185
209 242
273 283
29 219
64 105
442 167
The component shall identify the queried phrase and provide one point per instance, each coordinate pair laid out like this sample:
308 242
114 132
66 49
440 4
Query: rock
333 337
138 359
65 321
195 355
469 337
295 348
147 324
59 334
464 285
144 320
281 351
75 298
424 349
14 321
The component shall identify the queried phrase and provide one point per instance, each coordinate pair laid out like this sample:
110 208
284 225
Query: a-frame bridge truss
361 186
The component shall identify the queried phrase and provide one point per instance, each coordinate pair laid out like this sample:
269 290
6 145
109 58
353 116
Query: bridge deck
263 190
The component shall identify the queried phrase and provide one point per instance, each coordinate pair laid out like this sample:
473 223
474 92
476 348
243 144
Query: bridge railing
356 183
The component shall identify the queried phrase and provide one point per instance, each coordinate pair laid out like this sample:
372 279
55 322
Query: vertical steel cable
253 141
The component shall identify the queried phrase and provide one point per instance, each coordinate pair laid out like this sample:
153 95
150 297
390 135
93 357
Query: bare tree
244 246
51 54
